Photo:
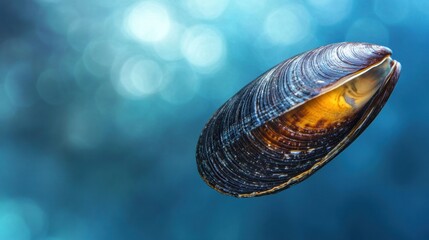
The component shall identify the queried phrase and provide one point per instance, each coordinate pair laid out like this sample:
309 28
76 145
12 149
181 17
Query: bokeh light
84 130
421 7
99 56
21 219
169 48
203 47
148 21
6 108
13 227
393 12
181 85
19 86
141 77
331 12
288 24
206 9
79 33
368 30
251 6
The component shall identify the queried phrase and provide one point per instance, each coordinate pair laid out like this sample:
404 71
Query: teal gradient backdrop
102 103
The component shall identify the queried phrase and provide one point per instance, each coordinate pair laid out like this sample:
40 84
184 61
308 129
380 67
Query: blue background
102 103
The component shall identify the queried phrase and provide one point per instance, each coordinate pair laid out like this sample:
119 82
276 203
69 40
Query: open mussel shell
296 117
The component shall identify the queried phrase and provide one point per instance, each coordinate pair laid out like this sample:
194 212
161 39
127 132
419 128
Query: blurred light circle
33 215
7 110
59 18
206 9
168 49
251 6
140 77
148 21
102 52
79 34
12 224
422 6
106 98
51 87
146 76
393 11
14 51
83 77
109 4
181 85
20 87
288 24
48 1
99 56
124 84
84 129
368 30
330 12
203 46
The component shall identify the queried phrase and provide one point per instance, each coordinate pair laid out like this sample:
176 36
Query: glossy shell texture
260 142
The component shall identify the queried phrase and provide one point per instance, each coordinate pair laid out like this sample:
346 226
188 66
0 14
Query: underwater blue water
102 103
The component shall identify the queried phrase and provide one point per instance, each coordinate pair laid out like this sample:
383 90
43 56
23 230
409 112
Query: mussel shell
231 157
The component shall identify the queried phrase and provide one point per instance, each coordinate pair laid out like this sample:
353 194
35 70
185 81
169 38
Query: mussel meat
296 117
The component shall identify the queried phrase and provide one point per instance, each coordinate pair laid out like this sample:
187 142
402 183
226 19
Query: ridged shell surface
254 144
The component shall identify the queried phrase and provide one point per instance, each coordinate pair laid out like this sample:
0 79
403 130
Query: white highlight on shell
330 12
203 46
206 9
295 152
148 21
288 24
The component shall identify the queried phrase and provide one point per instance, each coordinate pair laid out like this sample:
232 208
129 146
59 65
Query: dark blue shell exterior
229 157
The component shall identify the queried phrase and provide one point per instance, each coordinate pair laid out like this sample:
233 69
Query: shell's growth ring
296 117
